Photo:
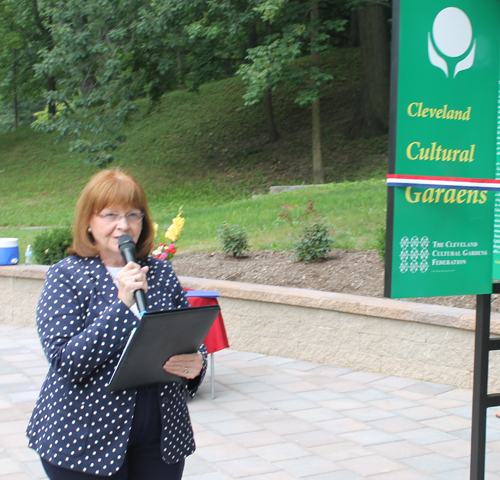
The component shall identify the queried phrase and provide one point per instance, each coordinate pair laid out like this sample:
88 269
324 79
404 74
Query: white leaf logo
450 45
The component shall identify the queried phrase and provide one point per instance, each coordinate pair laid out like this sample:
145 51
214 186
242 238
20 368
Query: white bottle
28 256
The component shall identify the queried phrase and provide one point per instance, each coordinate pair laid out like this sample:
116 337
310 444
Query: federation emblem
414 260
451 45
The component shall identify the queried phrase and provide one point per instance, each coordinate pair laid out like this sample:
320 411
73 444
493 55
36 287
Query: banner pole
480 389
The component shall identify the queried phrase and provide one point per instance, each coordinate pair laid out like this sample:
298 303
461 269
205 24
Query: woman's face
109 225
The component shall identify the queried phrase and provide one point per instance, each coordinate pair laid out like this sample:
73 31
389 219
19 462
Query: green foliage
218 34
313 242
93 61
233 238
380 242
51 246
26 109
267 65
22 36
293 31
106 55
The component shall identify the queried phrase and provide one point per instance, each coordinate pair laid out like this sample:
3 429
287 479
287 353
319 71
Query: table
216 338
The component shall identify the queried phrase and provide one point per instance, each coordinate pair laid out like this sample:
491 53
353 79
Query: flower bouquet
167 252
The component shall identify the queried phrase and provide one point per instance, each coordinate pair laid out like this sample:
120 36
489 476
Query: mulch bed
358 272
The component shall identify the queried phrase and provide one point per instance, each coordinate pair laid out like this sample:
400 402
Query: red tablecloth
216 338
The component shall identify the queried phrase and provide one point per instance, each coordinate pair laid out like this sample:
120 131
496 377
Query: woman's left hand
187 366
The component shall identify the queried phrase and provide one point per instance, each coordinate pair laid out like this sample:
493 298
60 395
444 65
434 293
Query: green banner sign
443 137
496 231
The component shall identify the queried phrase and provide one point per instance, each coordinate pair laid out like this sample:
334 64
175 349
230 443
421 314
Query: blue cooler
9 251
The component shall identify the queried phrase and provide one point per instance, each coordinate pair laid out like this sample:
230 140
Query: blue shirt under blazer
76 423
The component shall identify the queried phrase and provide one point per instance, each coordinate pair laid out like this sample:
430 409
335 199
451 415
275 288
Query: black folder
159 336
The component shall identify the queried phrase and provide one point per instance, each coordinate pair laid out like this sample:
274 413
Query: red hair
110 188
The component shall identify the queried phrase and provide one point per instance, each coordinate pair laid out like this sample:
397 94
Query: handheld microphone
127 248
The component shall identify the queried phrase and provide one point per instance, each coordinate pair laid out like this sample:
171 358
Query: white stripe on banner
440 183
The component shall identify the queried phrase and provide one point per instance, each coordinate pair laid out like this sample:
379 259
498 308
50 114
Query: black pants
143 460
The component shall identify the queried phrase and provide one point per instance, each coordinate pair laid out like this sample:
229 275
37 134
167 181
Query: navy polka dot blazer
76 423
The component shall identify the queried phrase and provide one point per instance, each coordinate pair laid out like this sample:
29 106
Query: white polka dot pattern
81 322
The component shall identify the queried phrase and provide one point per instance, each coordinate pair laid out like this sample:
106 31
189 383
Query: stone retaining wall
414 340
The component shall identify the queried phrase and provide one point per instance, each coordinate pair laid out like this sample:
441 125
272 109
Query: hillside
207 143
209 153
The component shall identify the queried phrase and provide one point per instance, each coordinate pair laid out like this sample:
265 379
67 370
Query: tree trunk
374 38
14 87
354 30
180 71
51 87
46 36
272 131
16 112
318 170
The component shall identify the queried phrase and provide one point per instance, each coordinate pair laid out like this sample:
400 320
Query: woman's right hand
131 278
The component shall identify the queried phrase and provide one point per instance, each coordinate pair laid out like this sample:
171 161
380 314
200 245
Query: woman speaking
86 311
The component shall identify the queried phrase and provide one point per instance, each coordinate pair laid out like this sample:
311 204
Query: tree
301 29
232 27
318 170
107 54
375 49
164 43
20 40
44 37
93 60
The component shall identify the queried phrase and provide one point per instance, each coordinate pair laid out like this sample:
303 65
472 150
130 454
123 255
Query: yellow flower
155 228
174 231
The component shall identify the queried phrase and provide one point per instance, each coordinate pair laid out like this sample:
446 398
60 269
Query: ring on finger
185 369
136 279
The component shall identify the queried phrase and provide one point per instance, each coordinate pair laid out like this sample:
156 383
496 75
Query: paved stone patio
276 418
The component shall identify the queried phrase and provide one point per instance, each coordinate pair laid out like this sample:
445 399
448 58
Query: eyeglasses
131 217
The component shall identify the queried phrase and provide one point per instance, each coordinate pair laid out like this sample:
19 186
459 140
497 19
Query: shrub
380 245
52 245
233 238
314 241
